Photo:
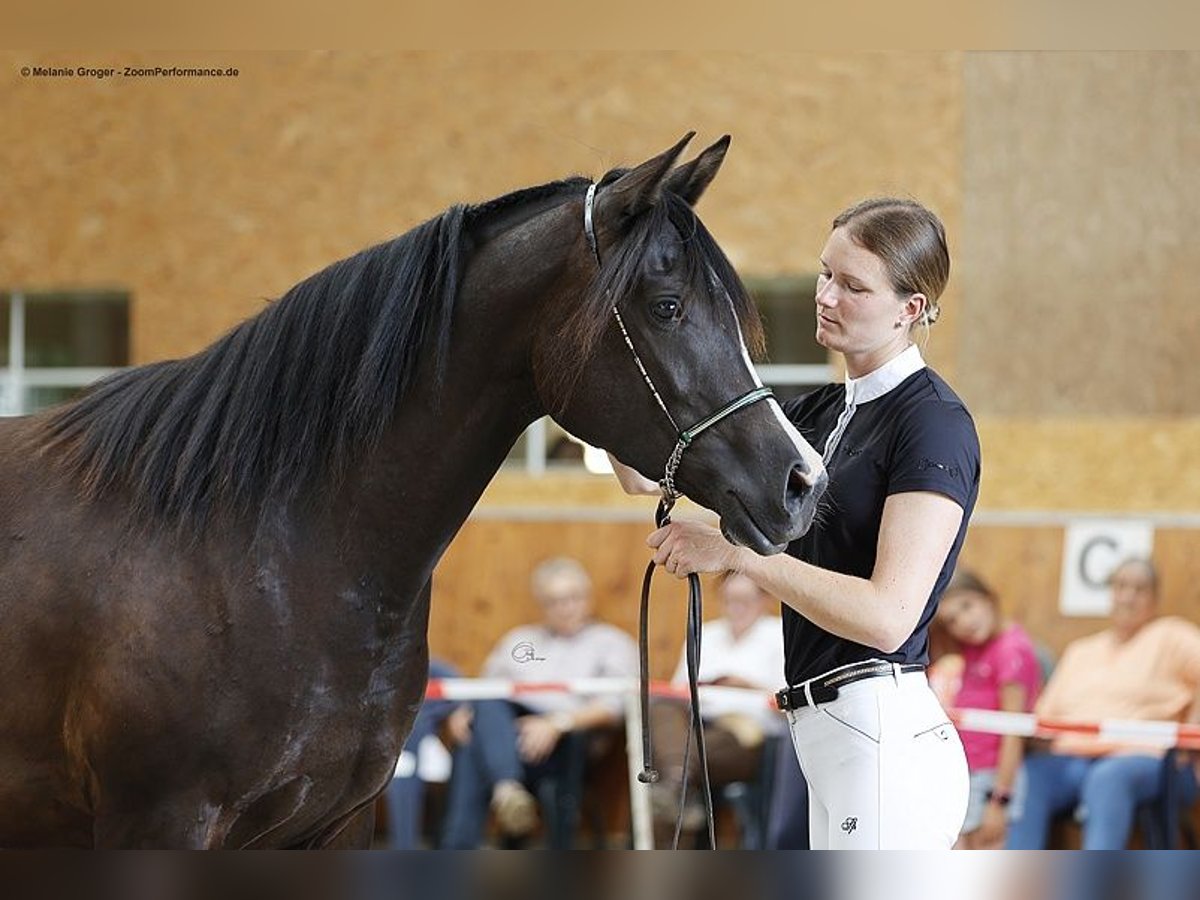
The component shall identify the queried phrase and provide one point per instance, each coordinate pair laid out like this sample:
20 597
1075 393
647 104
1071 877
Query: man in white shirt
515 746
742 649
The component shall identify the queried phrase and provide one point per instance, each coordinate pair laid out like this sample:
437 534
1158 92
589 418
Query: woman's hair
966 580
909 239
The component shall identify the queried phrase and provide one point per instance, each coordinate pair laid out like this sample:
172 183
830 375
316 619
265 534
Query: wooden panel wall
481 587
1024 565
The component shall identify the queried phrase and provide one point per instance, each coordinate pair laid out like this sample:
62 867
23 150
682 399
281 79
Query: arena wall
1067 182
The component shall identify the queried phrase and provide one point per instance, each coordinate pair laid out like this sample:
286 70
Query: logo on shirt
524 652
927 463
850 824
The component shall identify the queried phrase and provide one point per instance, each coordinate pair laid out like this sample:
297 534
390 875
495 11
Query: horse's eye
665 309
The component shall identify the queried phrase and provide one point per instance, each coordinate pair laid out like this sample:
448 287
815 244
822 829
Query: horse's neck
445 444
416 490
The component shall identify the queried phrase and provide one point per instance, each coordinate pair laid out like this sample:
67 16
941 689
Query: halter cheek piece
683 436
683 439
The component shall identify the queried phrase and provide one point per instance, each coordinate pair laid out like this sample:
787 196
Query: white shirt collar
875 384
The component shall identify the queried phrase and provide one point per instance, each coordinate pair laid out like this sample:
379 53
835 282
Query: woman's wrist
741 560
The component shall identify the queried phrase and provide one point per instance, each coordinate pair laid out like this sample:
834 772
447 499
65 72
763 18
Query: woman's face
968 616
857 309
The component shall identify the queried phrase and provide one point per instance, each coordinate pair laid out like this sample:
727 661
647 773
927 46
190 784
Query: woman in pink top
999 671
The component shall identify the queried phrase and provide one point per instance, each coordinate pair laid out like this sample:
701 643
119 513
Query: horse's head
683 316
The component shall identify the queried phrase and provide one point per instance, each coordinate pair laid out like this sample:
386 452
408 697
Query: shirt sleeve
1189 653
937 450
621 657
618 659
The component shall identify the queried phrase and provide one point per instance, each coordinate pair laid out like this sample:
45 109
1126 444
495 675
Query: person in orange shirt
1144 666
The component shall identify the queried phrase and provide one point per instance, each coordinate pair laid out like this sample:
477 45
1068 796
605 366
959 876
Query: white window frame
16 377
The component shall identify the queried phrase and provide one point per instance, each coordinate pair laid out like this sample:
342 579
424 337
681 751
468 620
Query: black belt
825 688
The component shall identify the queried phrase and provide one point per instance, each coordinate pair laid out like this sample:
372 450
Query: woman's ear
914 308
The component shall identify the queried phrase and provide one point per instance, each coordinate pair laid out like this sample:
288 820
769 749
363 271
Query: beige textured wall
1068 183
1081 216
205 196
1081 202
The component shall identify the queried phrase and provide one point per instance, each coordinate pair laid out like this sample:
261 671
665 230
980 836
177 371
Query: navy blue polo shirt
918 436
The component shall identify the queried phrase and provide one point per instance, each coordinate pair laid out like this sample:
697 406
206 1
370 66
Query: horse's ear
638 189
691 179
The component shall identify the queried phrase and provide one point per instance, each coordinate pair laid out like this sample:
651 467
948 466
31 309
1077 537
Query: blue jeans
1108 790
491 756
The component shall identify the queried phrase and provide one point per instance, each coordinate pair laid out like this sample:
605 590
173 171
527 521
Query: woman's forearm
849 607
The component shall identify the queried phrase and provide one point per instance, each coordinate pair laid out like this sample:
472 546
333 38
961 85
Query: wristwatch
1000 798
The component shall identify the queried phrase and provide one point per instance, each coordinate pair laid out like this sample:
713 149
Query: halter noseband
683 436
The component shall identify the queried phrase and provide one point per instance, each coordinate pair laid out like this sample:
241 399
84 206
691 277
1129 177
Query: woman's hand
685 546
458 724
537 736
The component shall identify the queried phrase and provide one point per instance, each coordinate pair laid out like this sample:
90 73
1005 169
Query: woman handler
885 767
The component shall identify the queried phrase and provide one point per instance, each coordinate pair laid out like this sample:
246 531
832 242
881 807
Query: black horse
214 571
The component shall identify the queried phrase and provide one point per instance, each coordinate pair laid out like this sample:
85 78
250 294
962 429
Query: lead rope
649 774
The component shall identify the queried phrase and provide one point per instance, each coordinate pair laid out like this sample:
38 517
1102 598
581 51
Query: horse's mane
284 403
285 398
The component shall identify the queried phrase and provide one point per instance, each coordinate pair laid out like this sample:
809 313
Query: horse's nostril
797 484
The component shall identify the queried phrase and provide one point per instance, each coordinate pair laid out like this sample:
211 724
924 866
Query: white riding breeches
885 767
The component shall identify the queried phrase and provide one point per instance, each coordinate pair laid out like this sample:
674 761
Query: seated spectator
999 670
513 746
1144 666
405 795
743 648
